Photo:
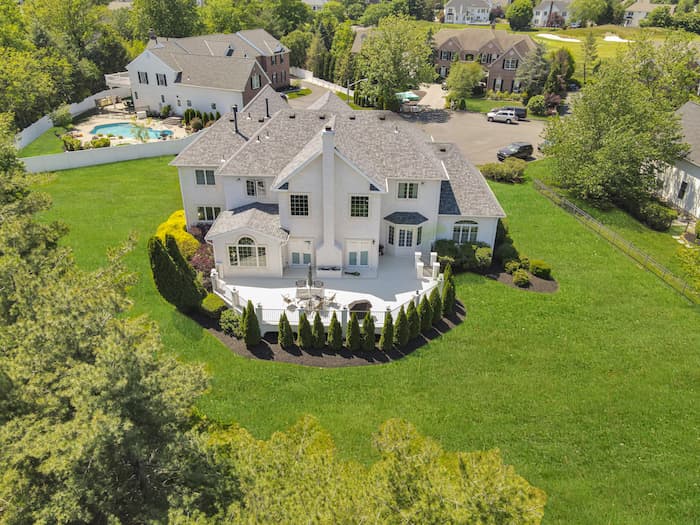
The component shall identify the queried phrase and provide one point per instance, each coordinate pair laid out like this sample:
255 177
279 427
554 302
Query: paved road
306 101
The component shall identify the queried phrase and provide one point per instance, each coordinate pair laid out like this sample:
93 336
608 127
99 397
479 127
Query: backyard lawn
45 144
590 393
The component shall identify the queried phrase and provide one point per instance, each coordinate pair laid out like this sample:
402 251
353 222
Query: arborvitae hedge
413 321
436 305
305 338
335 334
386 341
353 340
285 336
449 298
317 335
368 333
401 329
425 313
251 327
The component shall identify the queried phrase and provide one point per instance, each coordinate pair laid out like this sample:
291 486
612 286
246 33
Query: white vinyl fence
308 76
33 131
90 157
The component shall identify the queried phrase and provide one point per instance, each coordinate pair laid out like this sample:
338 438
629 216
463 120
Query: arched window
247 253
465 231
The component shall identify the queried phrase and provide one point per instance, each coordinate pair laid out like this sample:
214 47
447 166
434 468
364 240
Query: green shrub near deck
213 306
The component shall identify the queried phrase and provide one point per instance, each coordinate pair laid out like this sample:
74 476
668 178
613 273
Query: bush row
510 170
474 257
516 264
71 143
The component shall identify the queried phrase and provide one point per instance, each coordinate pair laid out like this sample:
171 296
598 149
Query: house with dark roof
467 11
343 194
500 53
681 182
209 73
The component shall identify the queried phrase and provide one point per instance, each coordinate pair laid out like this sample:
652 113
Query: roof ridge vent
293 115
352 117
382 117
322 116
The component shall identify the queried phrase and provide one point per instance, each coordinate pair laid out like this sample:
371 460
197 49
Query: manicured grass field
590 393
47 143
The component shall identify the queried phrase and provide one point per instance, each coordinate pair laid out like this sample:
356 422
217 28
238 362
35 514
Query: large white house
467 12
548 13
350 194
208 73
681 182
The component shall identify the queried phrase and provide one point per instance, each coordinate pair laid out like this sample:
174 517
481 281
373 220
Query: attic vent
292 115
329 128
372 187
382 117
352 117
443 149
261 119
322 117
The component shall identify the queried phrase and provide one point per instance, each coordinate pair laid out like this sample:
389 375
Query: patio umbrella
407 96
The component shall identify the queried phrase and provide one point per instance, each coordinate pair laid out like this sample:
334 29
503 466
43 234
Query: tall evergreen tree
436 305
251 326
318 336
285 336
425 313
368 333
386 340
449 298
590 55
305 338
335 334
533 72
413 321
401 330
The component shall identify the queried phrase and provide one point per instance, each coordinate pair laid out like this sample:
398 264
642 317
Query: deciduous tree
519 14
463 78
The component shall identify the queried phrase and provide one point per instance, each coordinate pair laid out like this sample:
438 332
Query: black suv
519 111
520 150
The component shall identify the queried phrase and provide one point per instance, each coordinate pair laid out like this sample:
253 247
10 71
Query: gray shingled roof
466 193
220 141
466 3
381 146
263 41
474 39
406 217
329 101
244 44
258 217
690 122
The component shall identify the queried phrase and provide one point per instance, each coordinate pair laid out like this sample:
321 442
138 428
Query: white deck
395 285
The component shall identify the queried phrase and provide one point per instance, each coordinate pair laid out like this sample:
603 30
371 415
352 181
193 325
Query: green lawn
301 93
660 245
45 144
590 393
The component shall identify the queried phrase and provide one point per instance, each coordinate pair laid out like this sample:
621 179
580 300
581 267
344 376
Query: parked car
501 115
520 150
519 111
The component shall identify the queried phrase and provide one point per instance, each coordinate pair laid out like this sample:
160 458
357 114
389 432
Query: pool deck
84 128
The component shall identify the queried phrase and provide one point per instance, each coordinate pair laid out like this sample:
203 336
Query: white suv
502 115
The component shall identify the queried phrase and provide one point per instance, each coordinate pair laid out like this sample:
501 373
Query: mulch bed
536 284
269 350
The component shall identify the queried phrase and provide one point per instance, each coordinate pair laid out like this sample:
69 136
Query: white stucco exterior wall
273 249
673 178
486 233
195 195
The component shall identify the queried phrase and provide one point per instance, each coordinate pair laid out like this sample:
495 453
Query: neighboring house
361 33
208 73
467 12
548 12
329 187
499 52
681 182
640 10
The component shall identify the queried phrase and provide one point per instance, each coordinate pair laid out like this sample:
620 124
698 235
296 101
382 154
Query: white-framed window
486 58
143 77
419 235
359 206
274 78
299 258
405 237
213 106
161 79
248 254
465 231
358 258
179 102
299 205
189 103
682 190
205 177
390 238
255 187
255 82
445 55
208 213
510 63
273 59
408 190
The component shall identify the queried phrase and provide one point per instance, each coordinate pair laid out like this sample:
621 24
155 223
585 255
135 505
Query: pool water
125 130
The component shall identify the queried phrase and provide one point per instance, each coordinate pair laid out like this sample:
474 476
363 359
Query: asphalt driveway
478 139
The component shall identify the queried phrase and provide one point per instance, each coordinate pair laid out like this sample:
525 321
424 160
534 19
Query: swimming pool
125 130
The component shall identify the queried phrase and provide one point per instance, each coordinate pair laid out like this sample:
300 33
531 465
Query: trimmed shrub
335 334
462 104
506 252
101 142
447 274
61 117
368 333
305 338
536 105
353 339
697 230
540 269
213 306
521 278
413 321
386 341
285 336
510 170
657 216
462 257
218 115
211 116
483 256
70 143
175 226
203 262
196 124
317 333
449 298
401 332
512 266
501 232
165 111
231 323
525 262
425 314
251 327
436 305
